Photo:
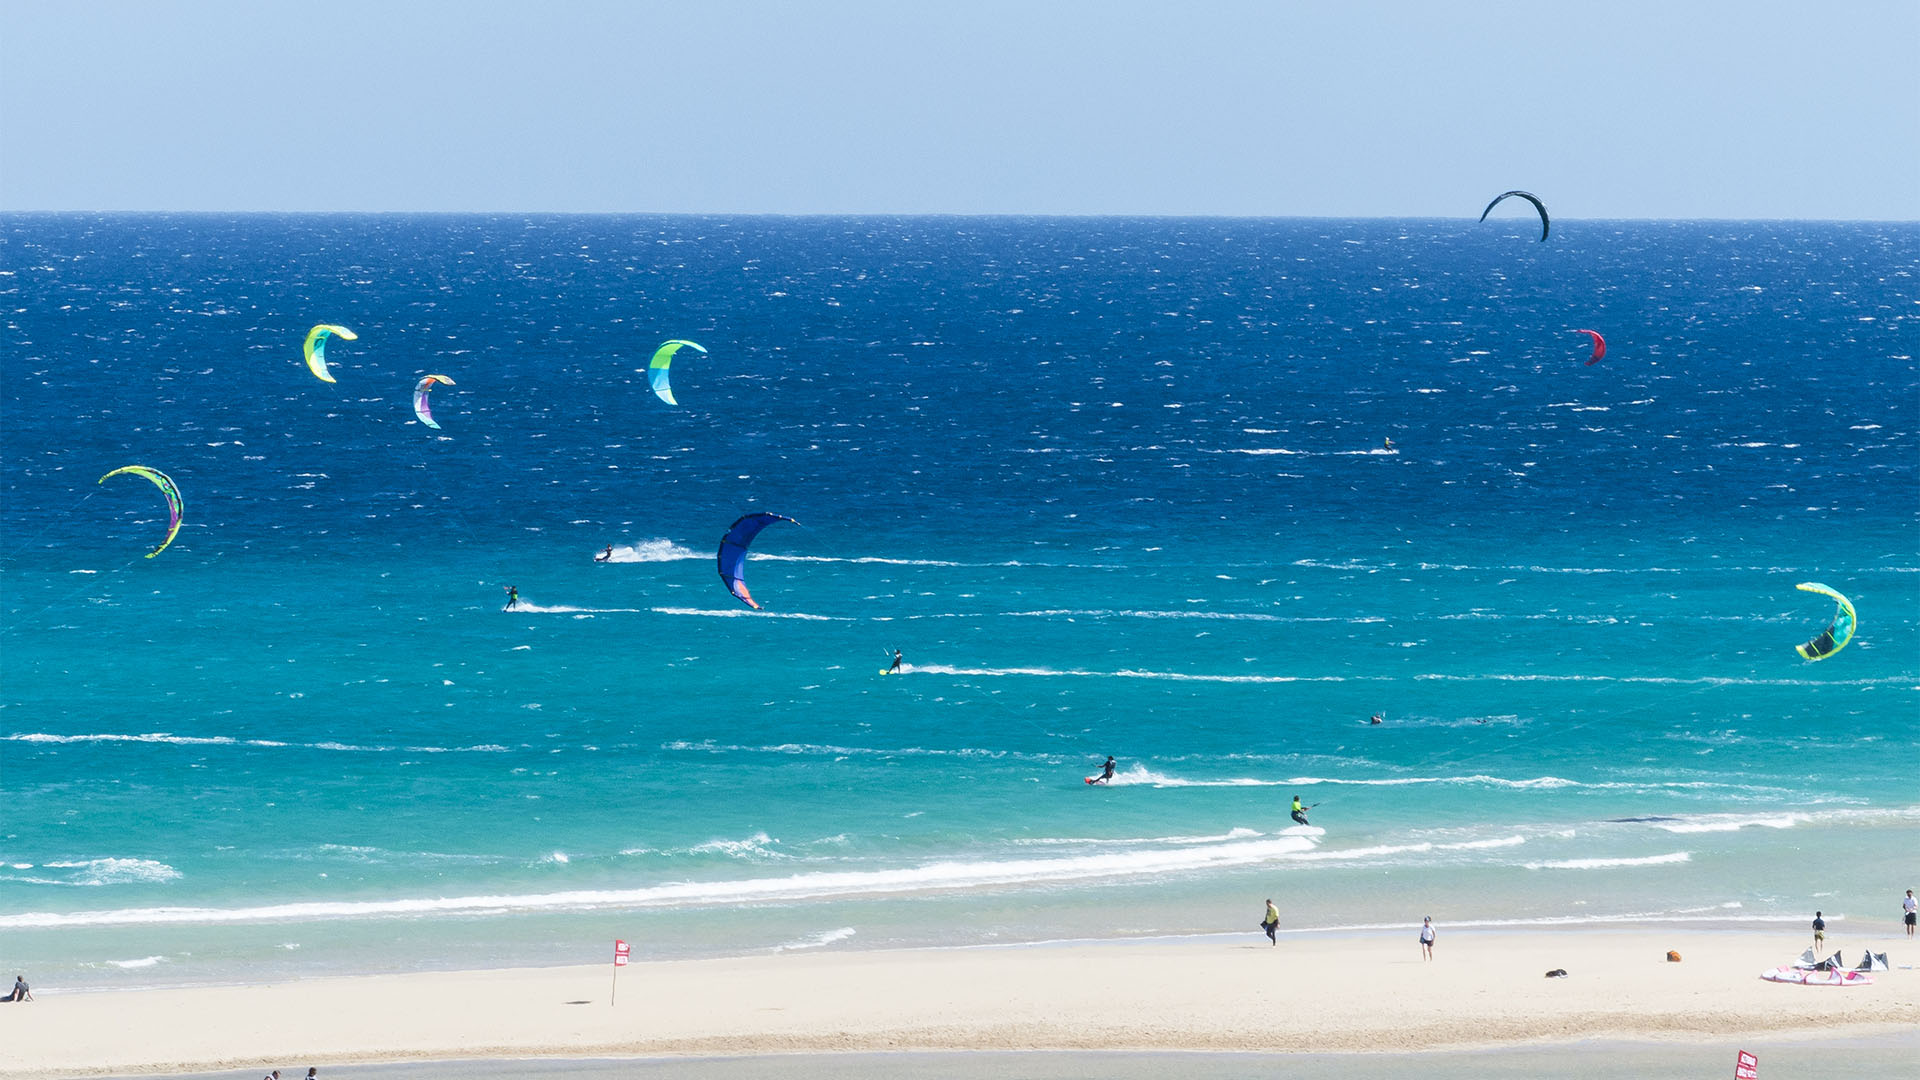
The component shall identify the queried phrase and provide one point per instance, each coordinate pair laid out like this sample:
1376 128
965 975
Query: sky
1361 108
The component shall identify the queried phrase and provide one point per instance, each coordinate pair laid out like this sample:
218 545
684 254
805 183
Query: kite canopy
657 369
1838 632
1599 345
316 348
420 398
733 552
175 505
1530 197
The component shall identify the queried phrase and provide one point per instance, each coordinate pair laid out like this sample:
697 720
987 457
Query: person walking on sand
1909 907
1271 923
1819 931
1426 938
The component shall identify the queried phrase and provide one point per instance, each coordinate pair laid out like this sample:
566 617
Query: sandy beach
1327 994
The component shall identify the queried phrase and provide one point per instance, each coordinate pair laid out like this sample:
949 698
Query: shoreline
1338 994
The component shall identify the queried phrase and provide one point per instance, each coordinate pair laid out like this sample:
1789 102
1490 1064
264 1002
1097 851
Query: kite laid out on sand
1530 197
175 505
733 552
662 360
316 348
420 398
1839 630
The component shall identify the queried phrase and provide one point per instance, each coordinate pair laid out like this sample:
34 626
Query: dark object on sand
1672 957
1557 973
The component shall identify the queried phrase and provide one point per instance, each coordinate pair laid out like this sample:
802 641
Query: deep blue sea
1201 494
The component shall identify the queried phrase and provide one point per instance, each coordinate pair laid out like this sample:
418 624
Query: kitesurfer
1389 442
896 661
1106 772
513 601
1376 718
605 556
1299 812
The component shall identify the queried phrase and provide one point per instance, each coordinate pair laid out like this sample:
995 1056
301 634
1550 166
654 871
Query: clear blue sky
1608 109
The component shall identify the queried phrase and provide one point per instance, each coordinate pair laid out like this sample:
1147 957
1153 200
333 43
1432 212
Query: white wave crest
819 940
142 962
1712 823
111 871
929 877
757 846
1608 864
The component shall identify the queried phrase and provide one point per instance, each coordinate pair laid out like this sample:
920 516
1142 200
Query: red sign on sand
622 950
1746 1067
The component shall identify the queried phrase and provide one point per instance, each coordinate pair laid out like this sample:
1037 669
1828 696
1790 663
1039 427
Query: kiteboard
1093 779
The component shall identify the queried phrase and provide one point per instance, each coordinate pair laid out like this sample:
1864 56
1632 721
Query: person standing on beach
1271 923
1909 907
1819 931
1426 938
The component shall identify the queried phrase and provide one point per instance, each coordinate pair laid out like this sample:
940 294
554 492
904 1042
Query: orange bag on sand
1672 957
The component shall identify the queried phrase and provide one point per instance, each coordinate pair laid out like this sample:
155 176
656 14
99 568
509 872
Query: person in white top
1909 907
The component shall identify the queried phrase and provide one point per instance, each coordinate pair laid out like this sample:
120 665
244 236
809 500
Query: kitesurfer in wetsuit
1389 445
605 556
1299 812
513 598
1106 772
896 661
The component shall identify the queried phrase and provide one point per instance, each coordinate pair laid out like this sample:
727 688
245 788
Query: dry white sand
1485 988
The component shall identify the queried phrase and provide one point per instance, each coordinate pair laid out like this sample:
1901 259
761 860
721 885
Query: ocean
1202 494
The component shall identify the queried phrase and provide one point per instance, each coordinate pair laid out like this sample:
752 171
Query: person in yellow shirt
1271 923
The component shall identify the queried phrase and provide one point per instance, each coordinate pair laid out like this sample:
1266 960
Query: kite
420 398
657 369
1838 632
1534 199
733 552
1599 346
316 348
175 505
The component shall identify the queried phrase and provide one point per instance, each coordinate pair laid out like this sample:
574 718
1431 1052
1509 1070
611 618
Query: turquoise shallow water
1113 487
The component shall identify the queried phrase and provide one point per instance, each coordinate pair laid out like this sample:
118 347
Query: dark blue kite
733 552
1530 197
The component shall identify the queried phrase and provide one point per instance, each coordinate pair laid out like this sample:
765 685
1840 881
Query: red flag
1746 1067
621 950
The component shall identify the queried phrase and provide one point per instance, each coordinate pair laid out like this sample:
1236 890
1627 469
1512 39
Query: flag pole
621 950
